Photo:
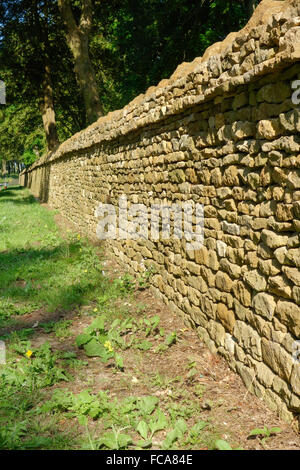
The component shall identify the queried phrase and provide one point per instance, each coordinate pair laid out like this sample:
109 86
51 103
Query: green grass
39 268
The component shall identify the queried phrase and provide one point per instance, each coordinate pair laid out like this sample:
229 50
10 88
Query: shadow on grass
10 195
43 281
9 191
23 201
28 277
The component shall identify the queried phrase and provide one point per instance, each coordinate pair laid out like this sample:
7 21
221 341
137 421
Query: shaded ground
191 387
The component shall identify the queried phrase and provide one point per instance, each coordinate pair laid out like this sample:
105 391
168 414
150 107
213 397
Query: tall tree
47 109
46 98
44 104
25 52
77 34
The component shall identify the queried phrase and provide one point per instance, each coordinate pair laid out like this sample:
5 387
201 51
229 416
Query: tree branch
67 15
86 17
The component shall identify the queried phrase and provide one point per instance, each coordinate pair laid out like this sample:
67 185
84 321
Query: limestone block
264 305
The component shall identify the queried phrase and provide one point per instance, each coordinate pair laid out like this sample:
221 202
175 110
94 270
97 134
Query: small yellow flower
85 270
95 310
78 236
29 353
108 346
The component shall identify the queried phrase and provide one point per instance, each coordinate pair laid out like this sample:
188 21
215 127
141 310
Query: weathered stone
268 129
212 261
294 404
281 388
226 317
193 295
196 282
284 212
289 314
216 332
223 281
248 338
264 305
246 373
277 358
201 256
252 259
242 293
268 267
221 248
264 374
207 306
296 294
293 179
230 177
255 280
204 336
293 257
242 130
278 286
232 269
272 240
274 93
281 254
233 229
295 379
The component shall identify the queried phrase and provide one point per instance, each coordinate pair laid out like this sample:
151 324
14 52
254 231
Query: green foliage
20 382
21 131
96 341
265 433
99 341
144 279
59 328
114 440
142 418
138 44
39 371
125 284
169 341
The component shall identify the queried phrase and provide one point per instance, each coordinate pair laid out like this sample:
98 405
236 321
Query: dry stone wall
222 132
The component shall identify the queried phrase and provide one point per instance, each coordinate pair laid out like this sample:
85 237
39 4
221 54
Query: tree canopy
131 45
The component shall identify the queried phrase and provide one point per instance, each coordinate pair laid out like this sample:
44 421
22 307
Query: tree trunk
3 167
78 42
47 110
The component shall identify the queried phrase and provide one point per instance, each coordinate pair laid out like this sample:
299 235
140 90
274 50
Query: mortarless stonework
224 132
